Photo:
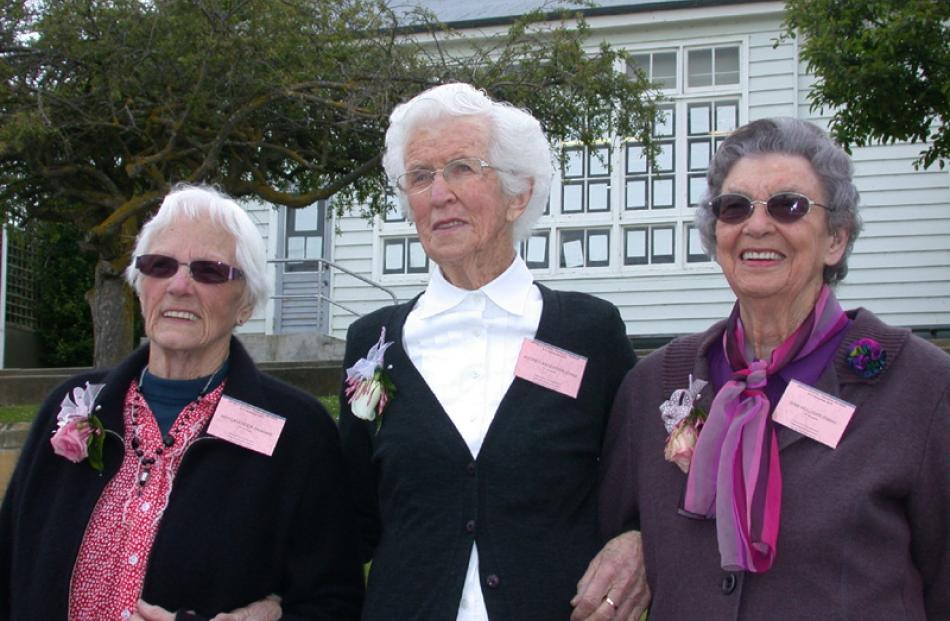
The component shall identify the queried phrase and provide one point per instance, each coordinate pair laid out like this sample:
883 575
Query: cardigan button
492 581
728 584
470 526
470 467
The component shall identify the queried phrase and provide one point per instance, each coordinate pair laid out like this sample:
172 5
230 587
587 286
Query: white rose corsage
368 388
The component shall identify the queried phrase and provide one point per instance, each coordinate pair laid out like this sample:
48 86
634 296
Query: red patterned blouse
110 569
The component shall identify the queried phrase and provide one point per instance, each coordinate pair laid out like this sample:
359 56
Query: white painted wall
900 268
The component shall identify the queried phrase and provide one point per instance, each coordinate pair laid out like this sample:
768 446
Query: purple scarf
735 474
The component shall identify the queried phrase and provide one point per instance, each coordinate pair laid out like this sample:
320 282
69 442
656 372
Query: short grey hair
789 136
192 202
518 149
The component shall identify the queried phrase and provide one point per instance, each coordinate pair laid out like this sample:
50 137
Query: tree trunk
112 316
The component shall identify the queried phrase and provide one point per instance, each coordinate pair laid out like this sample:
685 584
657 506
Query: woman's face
470 222
763 258
189 323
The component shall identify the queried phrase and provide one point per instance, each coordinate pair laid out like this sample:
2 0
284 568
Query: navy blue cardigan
528 500
239 525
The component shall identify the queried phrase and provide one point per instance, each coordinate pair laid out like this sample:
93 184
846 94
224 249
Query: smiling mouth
180 315
448 224
761 255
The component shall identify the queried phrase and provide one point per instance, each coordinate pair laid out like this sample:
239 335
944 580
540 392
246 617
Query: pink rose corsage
368 388
683 420
79 434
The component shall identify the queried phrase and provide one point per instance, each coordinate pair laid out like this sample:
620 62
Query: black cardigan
528 500
239 525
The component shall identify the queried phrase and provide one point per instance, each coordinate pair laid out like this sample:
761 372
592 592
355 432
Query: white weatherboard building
622 230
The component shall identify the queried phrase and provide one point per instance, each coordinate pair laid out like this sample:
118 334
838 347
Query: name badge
813 413
246 425
551 367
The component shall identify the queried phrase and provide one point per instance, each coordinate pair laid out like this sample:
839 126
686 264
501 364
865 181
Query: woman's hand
147 612
267 609
615 584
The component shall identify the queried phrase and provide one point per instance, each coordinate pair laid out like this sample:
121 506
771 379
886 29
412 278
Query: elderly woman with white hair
183 483
473 415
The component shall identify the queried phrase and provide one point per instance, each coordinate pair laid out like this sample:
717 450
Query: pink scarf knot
735 475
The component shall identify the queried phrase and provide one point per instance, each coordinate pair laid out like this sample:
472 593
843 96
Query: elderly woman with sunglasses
793 461
182 483
474 414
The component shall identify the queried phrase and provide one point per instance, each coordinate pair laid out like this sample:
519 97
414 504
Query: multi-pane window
613 210
535 250
660 199
585 248
653 186
304 240
586 179
659 67
393 210
709 122
717 66
694 246
644 245
404 255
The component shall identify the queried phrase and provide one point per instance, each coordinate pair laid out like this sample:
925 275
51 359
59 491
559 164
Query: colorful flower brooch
867 358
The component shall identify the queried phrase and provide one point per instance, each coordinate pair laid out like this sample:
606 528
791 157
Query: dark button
492 581
470 467
470 526
728 584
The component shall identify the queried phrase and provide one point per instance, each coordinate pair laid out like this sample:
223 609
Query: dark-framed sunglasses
207 272
784 207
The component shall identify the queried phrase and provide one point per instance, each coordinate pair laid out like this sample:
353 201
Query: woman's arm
267 609
929 513
323 576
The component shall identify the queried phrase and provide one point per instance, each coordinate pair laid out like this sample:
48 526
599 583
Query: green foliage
106 104
111 102
63 274
883 66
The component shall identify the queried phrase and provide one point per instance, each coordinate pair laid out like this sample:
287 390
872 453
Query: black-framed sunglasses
784 207
207 272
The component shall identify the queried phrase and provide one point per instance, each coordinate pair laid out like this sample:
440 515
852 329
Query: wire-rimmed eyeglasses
455 172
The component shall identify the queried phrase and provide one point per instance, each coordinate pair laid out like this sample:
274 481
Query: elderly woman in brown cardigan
793 461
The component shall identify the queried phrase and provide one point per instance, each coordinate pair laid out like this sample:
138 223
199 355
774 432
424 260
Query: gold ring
610 601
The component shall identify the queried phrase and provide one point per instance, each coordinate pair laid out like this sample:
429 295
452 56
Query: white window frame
617 219
681 215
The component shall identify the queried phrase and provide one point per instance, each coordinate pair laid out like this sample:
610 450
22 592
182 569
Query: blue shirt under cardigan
168 397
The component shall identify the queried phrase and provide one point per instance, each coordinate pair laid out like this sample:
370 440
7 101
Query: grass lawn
25 413
17 413
332 404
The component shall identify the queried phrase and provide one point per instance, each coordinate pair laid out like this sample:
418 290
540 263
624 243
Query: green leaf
96 442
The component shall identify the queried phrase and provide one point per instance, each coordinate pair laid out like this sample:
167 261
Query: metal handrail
326 262
319 296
